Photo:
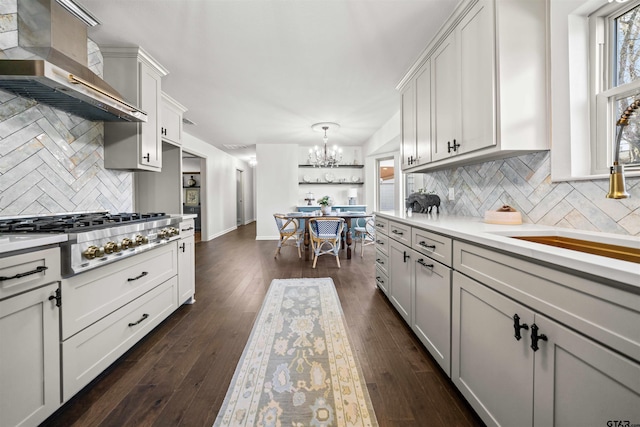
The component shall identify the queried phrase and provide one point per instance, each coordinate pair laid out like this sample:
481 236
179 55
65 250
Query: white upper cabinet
137 76
488 92
171 122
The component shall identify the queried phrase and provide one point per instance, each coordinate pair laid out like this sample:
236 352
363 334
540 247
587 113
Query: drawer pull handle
379 261
144 316
399 233
39 269
380 242
379 280
380 225
187 229
424 245
131 279
517 326
424 264
535 337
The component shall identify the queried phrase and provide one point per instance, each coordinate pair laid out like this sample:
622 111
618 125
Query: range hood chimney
58 76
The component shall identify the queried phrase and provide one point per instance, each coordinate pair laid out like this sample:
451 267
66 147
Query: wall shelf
330 183
335 167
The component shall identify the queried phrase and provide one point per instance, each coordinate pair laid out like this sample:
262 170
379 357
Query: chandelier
323 157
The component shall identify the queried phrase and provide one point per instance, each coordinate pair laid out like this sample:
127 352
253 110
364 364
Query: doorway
385 181
239 197
194 190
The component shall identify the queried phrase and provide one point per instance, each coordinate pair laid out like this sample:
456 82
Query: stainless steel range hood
58 75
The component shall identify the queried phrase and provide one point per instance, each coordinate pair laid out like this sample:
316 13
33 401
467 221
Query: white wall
276 185
219 183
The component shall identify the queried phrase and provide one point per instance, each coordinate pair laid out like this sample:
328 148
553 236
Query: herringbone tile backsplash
51 161
524 183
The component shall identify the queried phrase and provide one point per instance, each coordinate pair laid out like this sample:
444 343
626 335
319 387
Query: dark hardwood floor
179 374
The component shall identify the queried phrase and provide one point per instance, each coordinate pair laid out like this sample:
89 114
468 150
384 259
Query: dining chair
325 235
364 232
289 228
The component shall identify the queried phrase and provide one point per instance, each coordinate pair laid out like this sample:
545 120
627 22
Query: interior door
239 198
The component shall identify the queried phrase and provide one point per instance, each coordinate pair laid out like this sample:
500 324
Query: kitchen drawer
435 246
382 262
88 353
187 228
34 269
382 226
382 280
400 232
382 243
605 313
92 295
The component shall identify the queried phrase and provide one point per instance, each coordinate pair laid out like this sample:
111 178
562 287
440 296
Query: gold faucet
617 187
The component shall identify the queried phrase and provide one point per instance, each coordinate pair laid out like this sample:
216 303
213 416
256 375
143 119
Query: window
614 34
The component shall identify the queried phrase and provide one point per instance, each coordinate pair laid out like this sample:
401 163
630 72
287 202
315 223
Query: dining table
348 216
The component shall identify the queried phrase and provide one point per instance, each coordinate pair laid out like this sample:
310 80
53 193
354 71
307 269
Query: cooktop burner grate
74 223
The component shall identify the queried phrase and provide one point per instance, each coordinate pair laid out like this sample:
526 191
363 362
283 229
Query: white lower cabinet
401 278
186 263
93 349
551 376
431 308
29 357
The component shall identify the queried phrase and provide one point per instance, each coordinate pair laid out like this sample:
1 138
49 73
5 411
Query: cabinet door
150 144
423 114
186 270
30 357
474 40
492 369
432 308
400 278
579 382
444 91
408 118
171 129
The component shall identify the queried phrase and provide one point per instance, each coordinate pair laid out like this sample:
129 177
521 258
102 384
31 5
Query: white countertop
473 229
18 242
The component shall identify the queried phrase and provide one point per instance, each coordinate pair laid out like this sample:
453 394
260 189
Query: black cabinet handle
399 233
182 247
379 280
424 264
453 147
187 229
379 242
57 297
39 269
147 157
380 225
131 279
517 326
535 337
144 316
379 261
405 256
424 245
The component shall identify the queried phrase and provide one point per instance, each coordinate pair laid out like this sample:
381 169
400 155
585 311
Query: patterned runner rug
298 368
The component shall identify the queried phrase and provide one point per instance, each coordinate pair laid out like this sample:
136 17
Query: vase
326 210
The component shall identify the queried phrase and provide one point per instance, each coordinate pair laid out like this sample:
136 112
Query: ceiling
263 71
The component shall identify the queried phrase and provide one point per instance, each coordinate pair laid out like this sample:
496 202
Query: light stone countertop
475 230
19 242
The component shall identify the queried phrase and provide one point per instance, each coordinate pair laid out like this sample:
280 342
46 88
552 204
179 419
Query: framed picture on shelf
192 197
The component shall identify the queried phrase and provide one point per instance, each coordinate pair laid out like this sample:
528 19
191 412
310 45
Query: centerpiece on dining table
325 205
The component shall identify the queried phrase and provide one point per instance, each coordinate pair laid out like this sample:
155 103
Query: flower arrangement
325 201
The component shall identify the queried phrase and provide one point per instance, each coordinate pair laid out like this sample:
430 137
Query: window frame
574 152
604 94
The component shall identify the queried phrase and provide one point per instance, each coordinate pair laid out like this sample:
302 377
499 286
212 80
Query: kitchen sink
625 253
